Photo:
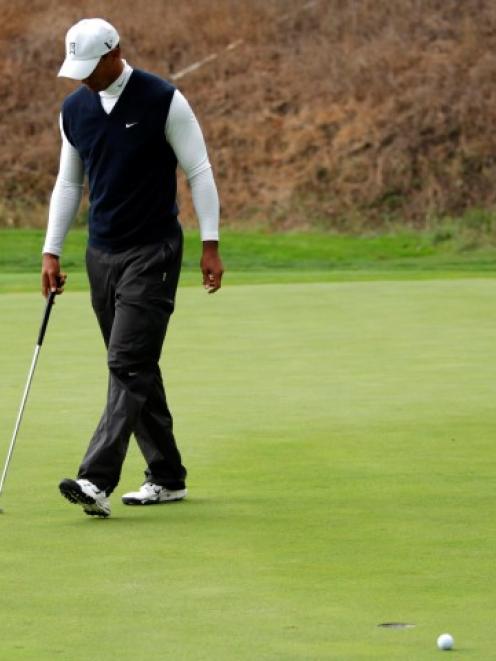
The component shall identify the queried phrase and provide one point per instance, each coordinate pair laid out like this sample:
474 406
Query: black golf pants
133 293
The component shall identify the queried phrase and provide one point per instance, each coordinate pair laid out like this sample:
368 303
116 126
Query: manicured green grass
290 254
340 443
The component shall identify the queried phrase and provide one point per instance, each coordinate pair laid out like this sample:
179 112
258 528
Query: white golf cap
85 43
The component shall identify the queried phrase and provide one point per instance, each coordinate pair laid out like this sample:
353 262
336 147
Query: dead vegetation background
329 114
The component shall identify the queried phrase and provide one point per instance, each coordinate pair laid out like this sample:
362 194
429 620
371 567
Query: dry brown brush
330 114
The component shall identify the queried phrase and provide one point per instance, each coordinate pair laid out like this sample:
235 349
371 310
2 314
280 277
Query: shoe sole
71 490
136 501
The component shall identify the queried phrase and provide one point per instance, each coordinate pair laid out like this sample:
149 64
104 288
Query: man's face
106 71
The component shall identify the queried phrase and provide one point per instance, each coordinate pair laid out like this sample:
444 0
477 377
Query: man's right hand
52 279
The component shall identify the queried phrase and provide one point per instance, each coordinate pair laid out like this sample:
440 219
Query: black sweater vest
131 167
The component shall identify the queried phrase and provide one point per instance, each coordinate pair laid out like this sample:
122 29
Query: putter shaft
19 416
41 335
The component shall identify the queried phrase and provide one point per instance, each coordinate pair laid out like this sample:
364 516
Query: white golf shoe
93 500
152 494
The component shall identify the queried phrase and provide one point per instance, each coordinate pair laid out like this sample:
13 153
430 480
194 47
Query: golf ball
445 641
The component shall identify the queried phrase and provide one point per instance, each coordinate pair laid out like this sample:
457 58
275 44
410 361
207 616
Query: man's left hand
211 266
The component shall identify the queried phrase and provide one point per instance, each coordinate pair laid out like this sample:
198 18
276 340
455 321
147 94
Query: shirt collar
116 88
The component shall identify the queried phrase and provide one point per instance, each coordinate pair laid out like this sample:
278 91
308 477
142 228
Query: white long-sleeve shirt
184 135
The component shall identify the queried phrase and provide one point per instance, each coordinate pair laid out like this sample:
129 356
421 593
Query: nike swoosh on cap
128 126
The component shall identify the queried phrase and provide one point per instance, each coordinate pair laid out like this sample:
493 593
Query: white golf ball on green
445 641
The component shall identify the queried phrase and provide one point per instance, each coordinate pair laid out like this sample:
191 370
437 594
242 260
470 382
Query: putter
41 335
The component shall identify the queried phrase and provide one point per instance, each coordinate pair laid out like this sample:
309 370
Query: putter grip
46 316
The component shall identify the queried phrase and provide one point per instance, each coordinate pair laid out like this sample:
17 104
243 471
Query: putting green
340 443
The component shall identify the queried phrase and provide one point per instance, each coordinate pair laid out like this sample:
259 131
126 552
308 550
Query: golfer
127 130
